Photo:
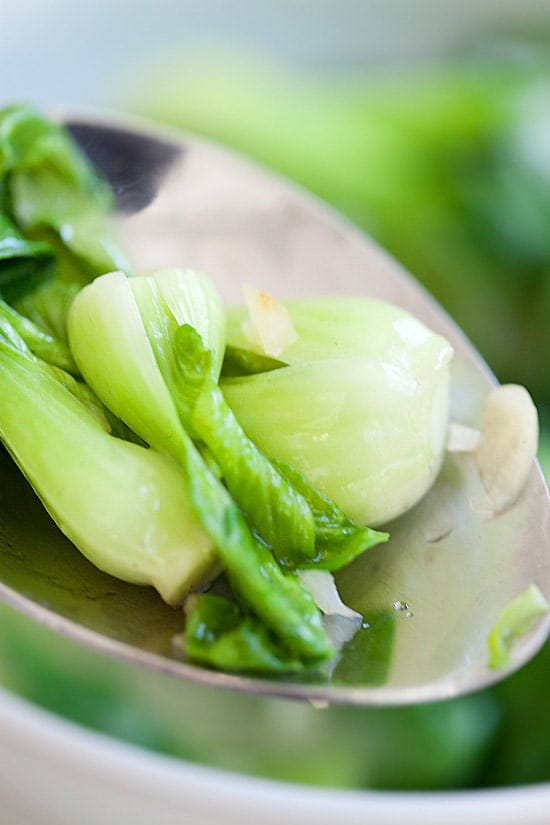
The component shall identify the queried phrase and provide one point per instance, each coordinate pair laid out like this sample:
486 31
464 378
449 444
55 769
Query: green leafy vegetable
55 234
277 511
151 351
368 435
240 361
277 598
23 262
48 306
219 634
43 345
338 540
52 191
308 534
125 354
515 620
125 507
110 346
365 398
315 532
181 390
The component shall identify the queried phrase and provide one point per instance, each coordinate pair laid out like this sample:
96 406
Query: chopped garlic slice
508 444
462 439
341 623
269 324
322 587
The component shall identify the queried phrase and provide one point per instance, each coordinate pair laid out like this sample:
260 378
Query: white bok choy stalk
124 506
112 348
359 403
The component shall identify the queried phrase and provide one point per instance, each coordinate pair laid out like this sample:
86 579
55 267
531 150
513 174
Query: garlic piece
341 623
269 323
462 439
508 444
322 587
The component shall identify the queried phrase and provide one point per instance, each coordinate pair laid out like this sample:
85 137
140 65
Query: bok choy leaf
43 345
338 539
48 306
279 599
23 262
279 513
220 634
515 619
52 190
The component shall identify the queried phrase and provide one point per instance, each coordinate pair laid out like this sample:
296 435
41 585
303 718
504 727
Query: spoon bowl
432 594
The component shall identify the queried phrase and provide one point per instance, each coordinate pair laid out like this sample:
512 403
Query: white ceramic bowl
55 773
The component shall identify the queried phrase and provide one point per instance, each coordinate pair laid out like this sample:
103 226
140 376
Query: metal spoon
432 594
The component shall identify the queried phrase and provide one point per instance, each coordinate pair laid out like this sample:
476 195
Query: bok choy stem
125 507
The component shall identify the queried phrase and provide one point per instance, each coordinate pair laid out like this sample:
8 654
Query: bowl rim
105 759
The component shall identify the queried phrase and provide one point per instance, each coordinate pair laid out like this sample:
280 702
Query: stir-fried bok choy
361 407
124 506
152 359
116 403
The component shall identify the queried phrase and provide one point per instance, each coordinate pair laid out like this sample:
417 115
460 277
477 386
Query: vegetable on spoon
118 354
45 346
124 506
281 609
332 540
122 334
52 191
279 514
220 633
22 261
56 230
141 353
362 407
514 621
